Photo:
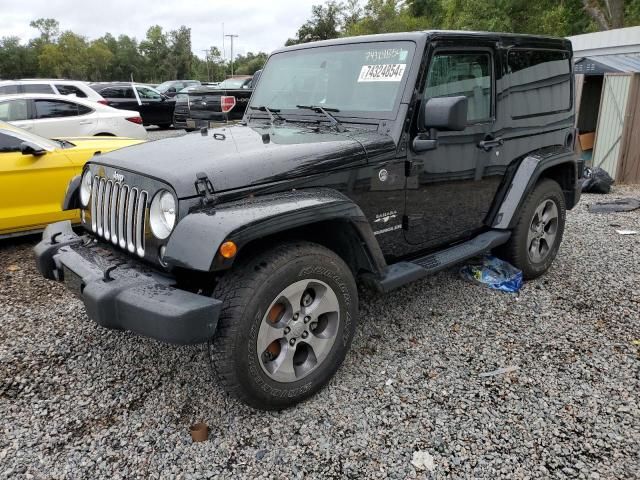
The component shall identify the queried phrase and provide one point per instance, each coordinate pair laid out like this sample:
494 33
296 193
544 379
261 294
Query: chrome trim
140 220
108 189
99 209
94 201
131 208
113 207
122 208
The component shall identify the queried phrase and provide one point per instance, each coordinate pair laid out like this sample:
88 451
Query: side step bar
401 273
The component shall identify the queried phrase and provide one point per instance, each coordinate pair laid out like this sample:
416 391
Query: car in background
207 105
154 107
53 116
53 86
35 172
172 87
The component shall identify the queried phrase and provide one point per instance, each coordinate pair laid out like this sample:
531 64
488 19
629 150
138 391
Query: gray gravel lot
79 401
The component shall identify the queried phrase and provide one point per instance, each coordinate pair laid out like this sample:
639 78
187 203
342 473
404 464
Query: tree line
559 18
158 57
165 55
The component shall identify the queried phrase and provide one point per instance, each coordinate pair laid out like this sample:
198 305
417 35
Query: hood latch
204 187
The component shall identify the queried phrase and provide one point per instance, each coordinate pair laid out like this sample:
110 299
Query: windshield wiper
270 112
332 120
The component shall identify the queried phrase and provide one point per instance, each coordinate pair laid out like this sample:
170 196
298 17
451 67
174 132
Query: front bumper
121 293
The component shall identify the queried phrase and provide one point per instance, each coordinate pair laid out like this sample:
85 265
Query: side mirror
445 113
30 148
171 90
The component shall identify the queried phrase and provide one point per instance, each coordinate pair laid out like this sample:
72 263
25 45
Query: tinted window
37 88
111 92
127 92
147 93
14 110
9 143
456 74
8 89
539 82
55 109
71 90
83 110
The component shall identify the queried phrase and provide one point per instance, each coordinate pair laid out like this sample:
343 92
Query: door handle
490 142
86 122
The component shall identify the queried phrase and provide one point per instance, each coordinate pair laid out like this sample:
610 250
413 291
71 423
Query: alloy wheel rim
298 330
543 231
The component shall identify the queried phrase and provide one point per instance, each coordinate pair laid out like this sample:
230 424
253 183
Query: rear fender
195 242
525 177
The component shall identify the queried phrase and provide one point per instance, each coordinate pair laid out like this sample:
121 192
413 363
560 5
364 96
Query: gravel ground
78 401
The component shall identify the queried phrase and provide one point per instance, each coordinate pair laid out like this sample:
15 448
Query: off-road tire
515 250
246 292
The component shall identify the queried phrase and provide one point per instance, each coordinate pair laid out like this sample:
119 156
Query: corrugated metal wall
611 120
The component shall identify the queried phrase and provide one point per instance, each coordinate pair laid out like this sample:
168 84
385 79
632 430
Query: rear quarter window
37 88
8 89
539 82
71 90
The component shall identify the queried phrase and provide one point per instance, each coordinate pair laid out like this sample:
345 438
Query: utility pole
206 56
232 37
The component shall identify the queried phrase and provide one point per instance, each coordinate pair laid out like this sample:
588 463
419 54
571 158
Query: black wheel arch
323 216
558 163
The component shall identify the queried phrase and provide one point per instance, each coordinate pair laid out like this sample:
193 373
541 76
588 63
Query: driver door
33 186
450 189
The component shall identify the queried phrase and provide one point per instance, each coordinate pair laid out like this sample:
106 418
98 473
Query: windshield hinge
204 187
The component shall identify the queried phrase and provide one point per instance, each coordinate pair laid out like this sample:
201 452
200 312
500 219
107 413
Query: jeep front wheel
287 322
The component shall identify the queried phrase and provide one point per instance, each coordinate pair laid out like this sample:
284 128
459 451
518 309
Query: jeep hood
243 156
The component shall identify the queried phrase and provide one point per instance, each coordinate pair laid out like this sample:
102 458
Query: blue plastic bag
494 273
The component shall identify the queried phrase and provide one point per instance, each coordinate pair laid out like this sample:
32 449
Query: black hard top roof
507 39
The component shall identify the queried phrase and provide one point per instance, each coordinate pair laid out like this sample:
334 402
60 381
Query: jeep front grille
118 214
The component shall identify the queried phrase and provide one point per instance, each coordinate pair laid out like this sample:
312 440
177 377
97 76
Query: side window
71 90
111 92
55 109
37 88
127 92
8 89
14 111
9 143
148 94
84 110
539 82
468 74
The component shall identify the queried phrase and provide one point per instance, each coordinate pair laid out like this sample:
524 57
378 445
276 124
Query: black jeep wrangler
377 160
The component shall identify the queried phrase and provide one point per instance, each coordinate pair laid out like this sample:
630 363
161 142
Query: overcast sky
261 25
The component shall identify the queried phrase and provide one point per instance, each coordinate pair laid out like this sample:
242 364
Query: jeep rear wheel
287 322
537 236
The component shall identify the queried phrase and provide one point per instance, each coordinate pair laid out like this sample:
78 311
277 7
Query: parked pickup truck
200 106
375 160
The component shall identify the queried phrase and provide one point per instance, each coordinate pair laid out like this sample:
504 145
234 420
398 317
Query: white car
53 86
53 116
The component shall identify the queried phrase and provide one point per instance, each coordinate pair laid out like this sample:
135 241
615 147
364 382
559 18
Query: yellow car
35 172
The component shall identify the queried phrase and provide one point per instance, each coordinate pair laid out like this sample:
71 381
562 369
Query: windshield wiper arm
318 109
270 112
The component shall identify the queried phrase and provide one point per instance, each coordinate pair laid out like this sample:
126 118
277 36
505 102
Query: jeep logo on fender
118 177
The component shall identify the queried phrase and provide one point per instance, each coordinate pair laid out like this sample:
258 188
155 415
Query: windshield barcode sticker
382 73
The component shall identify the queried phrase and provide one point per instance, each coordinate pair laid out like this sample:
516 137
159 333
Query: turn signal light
228 249
137 120
103 102
227 103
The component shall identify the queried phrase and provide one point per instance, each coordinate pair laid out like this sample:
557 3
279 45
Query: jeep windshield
358 80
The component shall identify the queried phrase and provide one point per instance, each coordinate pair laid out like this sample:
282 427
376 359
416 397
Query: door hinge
204 187
409 221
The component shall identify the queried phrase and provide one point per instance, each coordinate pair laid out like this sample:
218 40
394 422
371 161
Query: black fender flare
197 237
526 176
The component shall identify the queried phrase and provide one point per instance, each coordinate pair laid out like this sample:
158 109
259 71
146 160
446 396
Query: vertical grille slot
130 219
140 220
119 214
113 208
122 209
99 206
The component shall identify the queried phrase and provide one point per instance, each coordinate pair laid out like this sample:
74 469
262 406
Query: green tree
178 61
325 23
99 60
155 50
16 60
250 63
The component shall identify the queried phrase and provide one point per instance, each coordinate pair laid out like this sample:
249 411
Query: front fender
194 243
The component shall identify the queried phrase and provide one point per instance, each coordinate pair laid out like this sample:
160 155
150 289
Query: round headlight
162 214
85 188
